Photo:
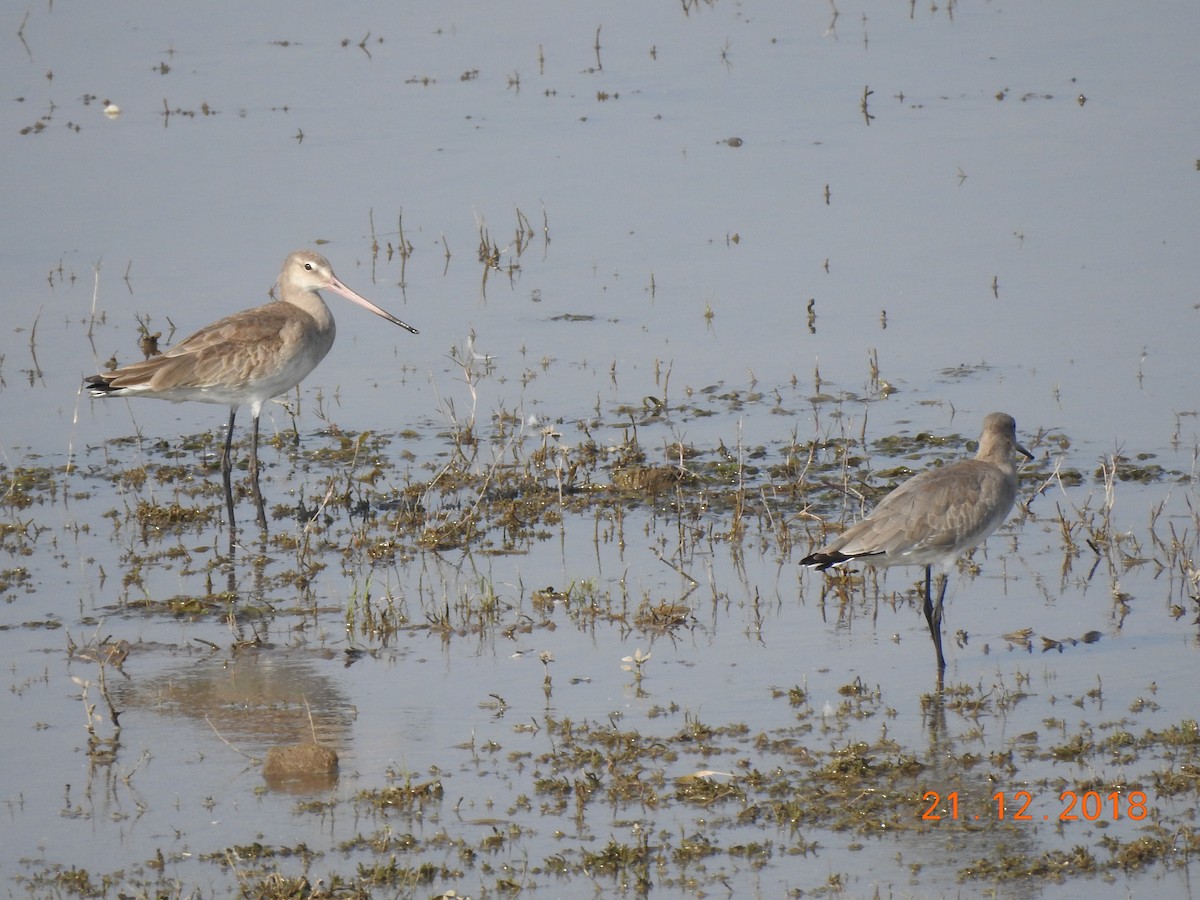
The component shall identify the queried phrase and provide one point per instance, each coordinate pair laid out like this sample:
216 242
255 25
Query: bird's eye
308 267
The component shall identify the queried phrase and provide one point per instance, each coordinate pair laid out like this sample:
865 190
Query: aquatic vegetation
754 794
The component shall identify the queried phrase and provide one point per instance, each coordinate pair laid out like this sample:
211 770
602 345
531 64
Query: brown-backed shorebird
246 358
936 516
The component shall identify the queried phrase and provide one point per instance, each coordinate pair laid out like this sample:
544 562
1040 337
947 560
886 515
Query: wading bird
246 358
936 516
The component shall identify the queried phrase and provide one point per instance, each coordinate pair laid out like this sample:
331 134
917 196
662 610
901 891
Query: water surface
700 237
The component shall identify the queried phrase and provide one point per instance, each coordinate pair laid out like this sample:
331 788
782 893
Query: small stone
306 760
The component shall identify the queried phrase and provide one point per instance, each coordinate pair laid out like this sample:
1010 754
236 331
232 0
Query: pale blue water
1082 215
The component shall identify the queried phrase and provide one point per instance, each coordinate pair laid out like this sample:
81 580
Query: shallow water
986 239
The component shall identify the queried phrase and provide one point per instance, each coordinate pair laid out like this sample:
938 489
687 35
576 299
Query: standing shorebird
248 357
936 516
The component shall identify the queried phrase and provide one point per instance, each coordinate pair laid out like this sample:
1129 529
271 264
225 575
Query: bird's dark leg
933 614
258 500
227 465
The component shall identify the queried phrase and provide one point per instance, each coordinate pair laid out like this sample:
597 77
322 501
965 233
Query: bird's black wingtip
822 561
98 385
